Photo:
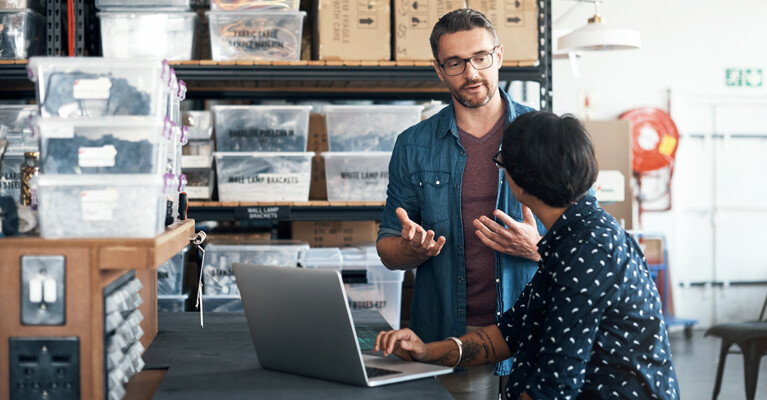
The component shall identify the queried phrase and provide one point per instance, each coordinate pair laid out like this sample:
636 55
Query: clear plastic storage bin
263 176
175 303
369 284
357 176
147 34
213 303
16 119
22 34
199 183
368 128
177 5
218 276
98 206
109 145
170 275
261 128
97 87
255 35
200 124
36 5
236 5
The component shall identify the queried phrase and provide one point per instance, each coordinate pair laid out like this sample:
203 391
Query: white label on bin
92 89
103 156
189 161
364 175
60 132
198 192
98 205
267 179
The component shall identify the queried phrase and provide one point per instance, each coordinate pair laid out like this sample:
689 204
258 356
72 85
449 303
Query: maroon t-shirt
478 197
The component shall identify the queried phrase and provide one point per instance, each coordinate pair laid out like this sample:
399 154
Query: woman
589 324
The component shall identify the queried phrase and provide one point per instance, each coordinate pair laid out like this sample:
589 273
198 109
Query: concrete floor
696 360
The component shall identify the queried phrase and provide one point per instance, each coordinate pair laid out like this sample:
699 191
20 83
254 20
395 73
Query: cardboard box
335 233
653 250
413 23
317 142
516 23
352 30
612 147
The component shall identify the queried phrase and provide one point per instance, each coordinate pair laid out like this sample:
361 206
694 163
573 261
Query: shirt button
463 153
437 182
498 313
497 280
456 186
460 280
460 247
460 311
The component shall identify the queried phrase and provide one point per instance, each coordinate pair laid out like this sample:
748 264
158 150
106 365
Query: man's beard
468 103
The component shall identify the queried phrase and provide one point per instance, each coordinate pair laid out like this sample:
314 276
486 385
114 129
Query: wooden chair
751 337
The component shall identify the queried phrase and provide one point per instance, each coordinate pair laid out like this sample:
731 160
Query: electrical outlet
44 368
43 290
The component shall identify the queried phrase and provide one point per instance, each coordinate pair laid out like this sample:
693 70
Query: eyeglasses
456 66
498 162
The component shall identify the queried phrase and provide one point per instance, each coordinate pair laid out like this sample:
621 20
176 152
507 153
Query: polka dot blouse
589 324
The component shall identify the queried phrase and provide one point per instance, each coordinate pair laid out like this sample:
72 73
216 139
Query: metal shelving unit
305 80
280 212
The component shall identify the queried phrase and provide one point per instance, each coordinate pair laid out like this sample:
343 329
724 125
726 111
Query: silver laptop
300 323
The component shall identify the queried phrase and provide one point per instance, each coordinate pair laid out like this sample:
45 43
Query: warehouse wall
715 228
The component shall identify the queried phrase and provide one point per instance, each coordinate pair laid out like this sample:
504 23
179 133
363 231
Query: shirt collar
572 216
447 122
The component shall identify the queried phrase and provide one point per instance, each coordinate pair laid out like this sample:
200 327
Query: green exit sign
750 77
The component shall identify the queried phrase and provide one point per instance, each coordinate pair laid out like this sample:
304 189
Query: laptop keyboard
366 337
374 372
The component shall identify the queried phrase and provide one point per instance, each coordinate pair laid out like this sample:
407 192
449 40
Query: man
442 188
589 324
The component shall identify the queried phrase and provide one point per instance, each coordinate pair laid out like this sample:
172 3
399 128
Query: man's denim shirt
425 178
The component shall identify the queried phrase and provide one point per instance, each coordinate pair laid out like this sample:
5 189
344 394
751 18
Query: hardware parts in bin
95 87
110 145
15 118
85 206
10 182
144 33
368 128
255 35
261 128
236 5
259 176
356 176
22 34
218 277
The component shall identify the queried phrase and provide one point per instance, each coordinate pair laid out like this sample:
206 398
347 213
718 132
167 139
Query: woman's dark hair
550 157
462 19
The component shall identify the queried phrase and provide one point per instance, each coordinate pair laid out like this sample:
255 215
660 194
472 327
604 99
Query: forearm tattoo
483 344
448 358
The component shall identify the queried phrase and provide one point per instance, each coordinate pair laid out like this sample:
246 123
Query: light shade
599 36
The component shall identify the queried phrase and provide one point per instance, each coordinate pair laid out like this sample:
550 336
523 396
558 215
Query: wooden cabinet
90 266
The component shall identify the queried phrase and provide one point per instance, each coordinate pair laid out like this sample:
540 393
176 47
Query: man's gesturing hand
519 239
418 240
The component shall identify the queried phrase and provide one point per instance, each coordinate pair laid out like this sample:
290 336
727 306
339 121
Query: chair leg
751 358
720 368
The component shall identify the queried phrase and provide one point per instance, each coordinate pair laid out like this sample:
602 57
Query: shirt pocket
433 189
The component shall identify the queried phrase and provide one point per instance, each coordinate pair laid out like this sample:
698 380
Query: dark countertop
219 361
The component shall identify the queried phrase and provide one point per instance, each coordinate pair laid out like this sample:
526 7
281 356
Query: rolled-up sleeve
399 192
